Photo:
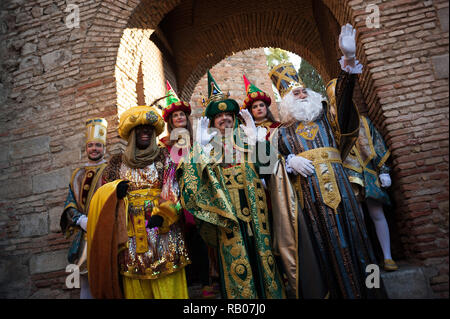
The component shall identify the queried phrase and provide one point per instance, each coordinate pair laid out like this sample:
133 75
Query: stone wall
408 61
229 76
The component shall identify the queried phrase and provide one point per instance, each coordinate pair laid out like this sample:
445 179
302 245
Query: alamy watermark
373 19
233 147
73 279
373 277
72 20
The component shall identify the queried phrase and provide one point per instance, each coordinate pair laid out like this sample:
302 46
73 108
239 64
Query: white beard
306 110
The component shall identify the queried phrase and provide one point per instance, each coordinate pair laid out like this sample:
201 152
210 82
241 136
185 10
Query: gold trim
384 159
93 188
356 180
369 139
322 158
157 276
73 177
353 168
297 271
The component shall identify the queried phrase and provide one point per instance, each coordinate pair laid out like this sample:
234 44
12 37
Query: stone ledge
48 262
408 282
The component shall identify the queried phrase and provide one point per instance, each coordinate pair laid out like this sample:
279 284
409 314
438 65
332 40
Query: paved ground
195 292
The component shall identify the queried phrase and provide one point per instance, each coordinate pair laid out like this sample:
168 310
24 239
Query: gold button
324 155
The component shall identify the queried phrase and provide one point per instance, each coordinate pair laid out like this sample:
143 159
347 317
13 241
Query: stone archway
196 35
54 77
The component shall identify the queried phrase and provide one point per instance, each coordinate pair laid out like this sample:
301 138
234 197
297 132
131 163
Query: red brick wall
52 78
410 106
228 75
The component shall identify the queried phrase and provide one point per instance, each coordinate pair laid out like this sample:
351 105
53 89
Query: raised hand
347 41
202 136
249 128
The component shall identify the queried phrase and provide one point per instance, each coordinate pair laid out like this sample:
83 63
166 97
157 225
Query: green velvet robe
229 203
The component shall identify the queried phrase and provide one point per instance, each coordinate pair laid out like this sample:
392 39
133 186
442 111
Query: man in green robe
221 186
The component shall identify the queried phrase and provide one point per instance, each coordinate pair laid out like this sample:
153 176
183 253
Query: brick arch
290 43
112 22
107 25
291 25
389 102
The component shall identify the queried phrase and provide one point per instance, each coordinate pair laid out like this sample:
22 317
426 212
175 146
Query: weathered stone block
54 215
409 282
3 94
48 262
29 147
51 181
28 62
76 141
22 17
37 12
51 9
15 188
440 64
56 59
50 89
443 19
67 158
4 150
14 277
33 225
49 293
29 48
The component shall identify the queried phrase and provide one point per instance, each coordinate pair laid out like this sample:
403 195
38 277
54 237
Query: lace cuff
357 69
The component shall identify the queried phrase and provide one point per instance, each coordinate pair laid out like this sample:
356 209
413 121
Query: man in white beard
326 249
301 104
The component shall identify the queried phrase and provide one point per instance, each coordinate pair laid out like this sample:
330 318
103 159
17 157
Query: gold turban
140 115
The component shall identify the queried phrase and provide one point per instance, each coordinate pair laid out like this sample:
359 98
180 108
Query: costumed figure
322 240
258 102
221 186
368 174
84 182
178 143
136 247
176 115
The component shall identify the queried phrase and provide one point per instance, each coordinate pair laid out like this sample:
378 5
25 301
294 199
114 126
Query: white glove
385 180
301 165
261 133
347 42
202 136
82 222
249 128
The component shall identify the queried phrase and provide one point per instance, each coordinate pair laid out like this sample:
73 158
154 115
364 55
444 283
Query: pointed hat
218 102
173 103
254 94
284 77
